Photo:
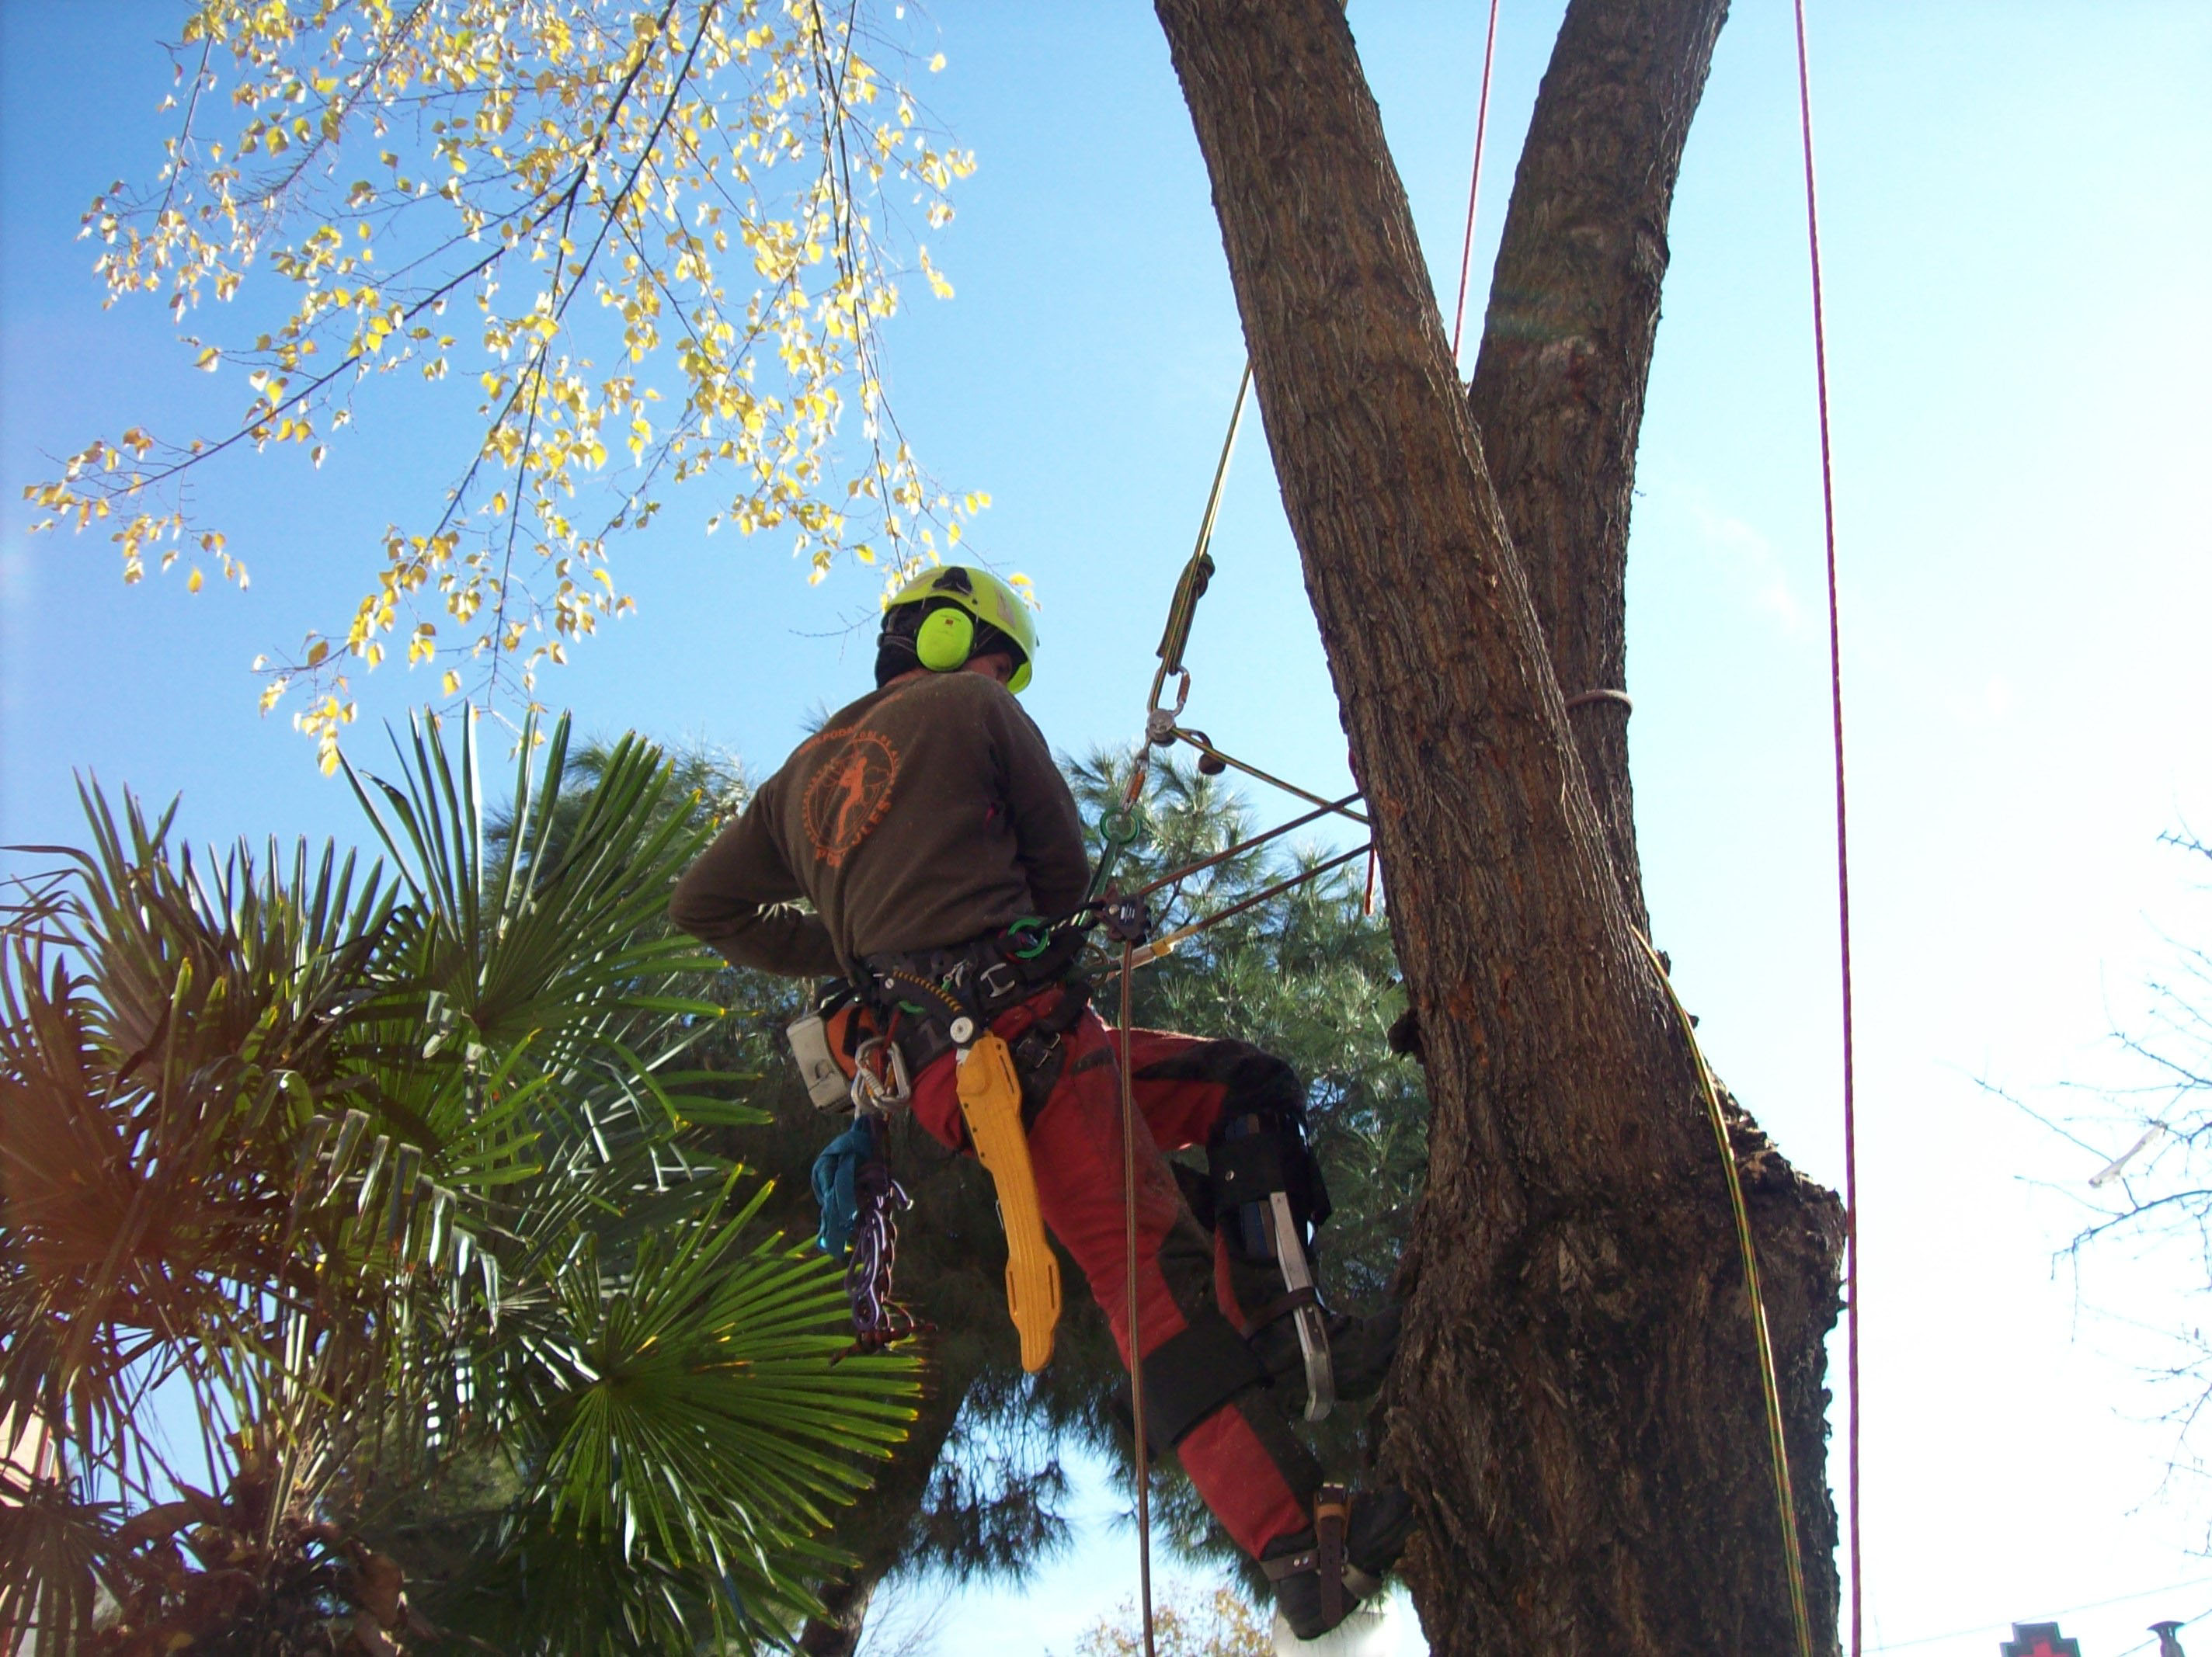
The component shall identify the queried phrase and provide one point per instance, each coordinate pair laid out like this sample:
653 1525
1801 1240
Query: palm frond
394 1176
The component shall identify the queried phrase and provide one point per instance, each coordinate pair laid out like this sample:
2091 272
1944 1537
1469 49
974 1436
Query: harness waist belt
985 970
981 977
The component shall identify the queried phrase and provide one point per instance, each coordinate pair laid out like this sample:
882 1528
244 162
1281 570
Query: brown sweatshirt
922 816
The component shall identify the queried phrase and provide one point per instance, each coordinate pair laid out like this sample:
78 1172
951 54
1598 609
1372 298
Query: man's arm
1047 827
739 898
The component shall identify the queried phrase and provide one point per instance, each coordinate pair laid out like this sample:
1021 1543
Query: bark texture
1566 349
1576 1408
894 1499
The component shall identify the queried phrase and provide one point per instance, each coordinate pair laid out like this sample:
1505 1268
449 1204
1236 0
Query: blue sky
2018 225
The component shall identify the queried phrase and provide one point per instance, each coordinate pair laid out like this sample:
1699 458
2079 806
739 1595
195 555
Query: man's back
926 813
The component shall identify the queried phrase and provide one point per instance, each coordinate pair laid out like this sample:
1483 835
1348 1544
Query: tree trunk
1566 349
1576 1409
893 1500
846 1599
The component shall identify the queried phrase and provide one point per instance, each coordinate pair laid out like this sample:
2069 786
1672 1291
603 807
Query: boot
1321 1574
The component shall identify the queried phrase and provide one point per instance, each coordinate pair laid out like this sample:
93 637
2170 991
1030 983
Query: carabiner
872 1093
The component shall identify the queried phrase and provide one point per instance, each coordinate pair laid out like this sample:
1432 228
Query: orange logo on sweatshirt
849 792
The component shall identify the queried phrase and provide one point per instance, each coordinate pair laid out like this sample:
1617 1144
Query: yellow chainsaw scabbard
991 1100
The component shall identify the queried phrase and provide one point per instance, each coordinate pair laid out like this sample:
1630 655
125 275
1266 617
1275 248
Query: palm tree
395 1192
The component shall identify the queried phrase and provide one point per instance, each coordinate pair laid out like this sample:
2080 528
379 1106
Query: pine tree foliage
399 1187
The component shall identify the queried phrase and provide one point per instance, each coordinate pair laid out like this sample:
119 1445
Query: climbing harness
954 994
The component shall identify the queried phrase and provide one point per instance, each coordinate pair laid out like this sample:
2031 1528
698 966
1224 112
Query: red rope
1842 851
1136 1347
1475 183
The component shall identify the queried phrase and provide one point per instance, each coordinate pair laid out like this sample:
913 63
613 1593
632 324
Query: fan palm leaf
390 1177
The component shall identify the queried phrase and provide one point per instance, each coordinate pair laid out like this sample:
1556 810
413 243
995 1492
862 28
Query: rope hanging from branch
1118 829
1475 183
1842 841
1777 1449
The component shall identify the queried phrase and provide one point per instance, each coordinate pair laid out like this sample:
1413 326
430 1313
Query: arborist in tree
923 849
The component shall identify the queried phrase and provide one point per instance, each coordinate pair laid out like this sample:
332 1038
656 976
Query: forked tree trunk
1577 1410
1566 350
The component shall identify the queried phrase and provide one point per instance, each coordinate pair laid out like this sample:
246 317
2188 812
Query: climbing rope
1842 841
1198 740
1165 944
1176 877
1793 1557
1143 1446
1128 920
1190 587
1475 183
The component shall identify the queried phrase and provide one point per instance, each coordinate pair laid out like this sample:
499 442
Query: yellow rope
1184 603
1785 1500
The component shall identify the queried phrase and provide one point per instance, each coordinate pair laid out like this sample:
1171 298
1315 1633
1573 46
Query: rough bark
894 1499
846 1601
1576 1408
1566 350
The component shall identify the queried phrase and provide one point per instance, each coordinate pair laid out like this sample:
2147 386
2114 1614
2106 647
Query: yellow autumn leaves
666 219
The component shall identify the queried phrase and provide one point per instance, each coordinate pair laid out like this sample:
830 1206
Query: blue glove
834 1171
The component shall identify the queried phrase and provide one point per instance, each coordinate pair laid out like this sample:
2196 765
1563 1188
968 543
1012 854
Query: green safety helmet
957 596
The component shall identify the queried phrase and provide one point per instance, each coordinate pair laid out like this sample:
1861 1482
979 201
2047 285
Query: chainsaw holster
991 1103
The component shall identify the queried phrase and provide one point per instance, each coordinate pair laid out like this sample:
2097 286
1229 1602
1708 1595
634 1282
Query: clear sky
2019 228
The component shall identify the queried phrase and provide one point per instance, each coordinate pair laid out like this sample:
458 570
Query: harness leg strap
1332 1510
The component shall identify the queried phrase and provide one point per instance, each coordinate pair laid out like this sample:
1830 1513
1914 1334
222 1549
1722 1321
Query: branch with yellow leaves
641 153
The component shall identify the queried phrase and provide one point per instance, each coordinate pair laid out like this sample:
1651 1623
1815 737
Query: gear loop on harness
1029 927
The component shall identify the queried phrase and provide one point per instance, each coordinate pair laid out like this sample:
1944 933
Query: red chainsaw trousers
1246 1464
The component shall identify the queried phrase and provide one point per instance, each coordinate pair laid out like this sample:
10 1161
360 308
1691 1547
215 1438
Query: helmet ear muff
944 639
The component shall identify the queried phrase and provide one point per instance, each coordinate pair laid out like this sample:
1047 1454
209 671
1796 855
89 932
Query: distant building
2039 1639
26 1452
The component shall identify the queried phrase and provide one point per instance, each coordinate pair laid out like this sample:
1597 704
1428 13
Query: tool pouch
827 1082
991 1100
